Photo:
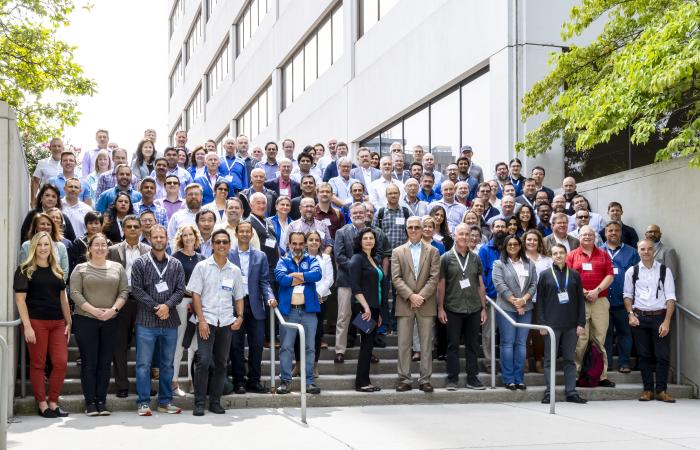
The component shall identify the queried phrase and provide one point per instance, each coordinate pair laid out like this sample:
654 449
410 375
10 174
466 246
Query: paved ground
598 425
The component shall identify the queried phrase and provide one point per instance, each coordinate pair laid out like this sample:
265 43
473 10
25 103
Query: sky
123 46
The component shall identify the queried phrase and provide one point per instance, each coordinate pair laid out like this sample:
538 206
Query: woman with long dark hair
47 197
144 159
442 232
218 205
197 166
40 295
121 208
526 220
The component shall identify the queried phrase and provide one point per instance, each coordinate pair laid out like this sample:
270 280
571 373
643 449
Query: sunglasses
172 183
132 227
221 242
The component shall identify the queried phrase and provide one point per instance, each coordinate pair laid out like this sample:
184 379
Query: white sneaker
145 410
178 392
169 409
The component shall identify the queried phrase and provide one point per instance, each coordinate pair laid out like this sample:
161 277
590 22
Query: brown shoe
295 370
539 367
404 387
324 344
155 373
646 396
663 396
426 387
339 358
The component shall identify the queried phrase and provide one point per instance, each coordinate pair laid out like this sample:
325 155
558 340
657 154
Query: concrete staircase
337 382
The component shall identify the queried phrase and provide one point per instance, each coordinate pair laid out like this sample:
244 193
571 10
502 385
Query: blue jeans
513 348
619 320
146 339
288 336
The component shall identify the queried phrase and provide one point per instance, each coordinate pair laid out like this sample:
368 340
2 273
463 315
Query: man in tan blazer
415 269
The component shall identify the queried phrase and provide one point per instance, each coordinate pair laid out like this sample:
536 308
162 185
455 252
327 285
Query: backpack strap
380 217
662 278
406 212
635 277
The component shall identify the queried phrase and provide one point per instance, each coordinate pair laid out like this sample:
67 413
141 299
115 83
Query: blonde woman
99 289
186 240
103 164
40 295
43 222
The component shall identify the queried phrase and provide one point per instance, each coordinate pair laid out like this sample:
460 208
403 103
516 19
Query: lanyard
121 230
566 280
228 166
613 254
160 274
466 261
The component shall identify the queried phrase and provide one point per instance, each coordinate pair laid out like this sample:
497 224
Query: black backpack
659 285
380 215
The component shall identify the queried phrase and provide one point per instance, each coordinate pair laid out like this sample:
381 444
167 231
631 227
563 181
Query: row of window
256 116
371 12
219 70
194 109
252 17
193 38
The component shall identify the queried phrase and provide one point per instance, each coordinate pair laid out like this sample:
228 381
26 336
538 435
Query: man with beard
544 214
663 254
308 190
488 254
193 201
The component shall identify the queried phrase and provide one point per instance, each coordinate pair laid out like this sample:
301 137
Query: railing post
272 349
678 346
4 390
493 347
302 361
23 368
552 368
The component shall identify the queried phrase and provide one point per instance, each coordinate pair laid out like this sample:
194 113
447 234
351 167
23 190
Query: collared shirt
244 257
182 217
377 191
592 268
170 207
433 196
76 215
458 299
108 197
648 294
333 219
417 207
455 211
393 224
205 247
272 171
415 256
219 288
341 187
314 172
108 180
595 220
304 227
132 253
145 281
623 257
598 241
60 182
46 169
367 175
160 212
564 242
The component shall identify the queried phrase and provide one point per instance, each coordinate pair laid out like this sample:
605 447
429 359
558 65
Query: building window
256 117
443 124
218 71
176 76
220 141
193 38
211 4
322 48
372 11
175 129
253 14
194 109
176 15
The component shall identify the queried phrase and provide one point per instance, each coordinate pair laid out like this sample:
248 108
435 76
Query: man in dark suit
560 225
257 177
365 174
256 281
125 253
283 184
332 168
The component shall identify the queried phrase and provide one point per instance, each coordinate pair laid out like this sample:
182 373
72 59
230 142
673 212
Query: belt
658 312
301 307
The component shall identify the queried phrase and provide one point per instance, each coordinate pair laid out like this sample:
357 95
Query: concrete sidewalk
599 425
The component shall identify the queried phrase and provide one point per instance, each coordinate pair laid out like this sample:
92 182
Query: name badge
568 205
464 283
277 174
270 242
587 266
644 294
162 287
299 289
616 270
227 284
400 220
327 222
437 237
228 178
284 191
563 297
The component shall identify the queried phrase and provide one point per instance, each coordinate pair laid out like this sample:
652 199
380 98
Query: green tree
640 72
39 78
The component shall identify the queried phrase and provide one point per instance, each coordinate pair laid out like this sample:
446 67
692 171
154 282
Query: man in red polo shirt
596 270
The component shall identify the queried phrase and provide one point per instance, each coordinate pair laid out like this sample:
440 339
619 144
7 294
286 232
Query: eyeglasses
583 217
221 242
414 227
172 183
132 227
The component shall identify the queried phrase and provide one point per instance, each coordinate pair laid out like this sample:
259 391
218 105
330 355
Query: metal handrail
302 362
552 349
5 382
691 314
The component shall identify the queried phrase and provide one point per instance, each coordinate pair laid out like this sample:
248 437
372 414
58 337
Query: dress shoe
521 386
441 357
511 386
403 387
198 411
373 359
217 409
59 412
663 396
339 358
546 399
576 399
295 370
379 341
606 383
155 373
257 388
122 393
239 389
426 387
646 396
48 413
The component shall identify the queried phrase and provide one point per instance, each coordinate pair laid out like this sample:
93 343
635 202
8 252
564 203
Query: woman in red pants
41 299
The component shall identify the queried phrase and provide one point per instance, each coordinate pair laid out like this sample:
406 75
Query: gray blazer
357 174
343 251
551 240
668 257
505 280
117 252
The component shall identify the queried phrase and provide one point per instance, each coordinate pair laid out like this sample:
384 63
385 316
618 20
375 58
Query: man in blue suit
256 282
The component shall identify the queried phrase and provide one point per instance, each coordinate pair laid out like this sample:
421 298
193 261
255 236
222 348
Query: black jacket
364 279
549 310
274 186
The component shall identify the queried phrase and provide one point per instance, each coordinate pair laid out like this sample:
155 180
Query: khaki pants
343 322
425 332
597 319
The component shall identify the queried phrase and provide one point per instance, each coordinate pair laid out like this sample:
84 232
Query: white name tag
568 205
563 297
327 222
227 284
644 294
400 221
587 266
277 174
162 287
616 270
284 191
270 242
299 289
464 283
228 178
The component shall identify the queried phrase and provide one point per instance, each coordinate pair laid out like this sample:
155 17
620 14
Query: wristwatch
116 310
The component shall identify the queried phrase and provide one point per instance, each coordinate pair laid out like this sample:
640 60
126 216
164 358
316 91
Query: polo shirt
601 266
209 281
108 197
457 299
46 169
60 182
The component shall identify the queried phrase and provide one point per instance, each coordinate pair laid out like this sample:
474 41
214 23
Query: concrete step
74 403
72 386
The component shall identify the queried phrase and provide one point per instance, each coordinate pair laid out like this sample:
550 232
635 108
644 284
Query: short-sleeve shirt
43 293
591 268
458 299
218 288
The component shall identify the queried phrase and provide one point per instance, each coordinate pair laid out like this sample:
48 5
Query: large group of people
185 252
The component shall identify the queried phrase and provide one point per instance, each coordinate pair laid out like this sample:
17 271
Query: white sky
123 46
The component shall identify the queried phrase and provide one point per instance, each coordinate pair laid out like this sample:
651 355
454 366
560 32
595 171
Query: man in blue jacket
489 253
296 275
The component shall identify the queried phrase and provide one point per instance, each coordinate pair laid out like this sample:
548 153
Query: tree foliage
39 78
642 72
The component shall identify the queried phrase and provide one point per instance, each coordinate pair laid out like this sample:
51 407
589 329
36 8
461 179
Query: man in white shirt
595 220
429 167
102 138
454 211
73 208
186 216
377 189
365 174
329 157
48 167
341 184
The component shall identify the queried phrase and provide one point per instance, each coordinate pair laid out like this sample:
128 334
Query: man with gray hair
365 173
341 184
377 189
283 184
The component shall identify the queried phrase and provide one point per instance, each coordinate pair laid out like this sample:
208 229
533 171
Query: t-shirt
43 293
459 299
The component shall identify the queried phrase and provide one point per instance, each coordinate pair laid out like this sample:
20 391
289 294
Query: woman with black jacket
369 289
48 197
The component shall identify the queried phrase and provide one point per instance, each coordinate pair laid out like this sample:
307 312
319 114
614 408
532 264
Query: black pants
366 347
122 342
254 330
565 340
462 326
652 350
215 348
96 344
320 316
441 338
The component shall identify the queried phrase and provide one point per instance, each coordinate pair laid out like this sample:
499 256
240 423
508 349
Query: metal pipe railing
552 349
5 382
681 309
302 357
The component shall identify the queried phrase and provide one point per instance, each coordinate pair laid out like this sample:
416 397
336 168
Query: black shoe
474 383
48 413
239 389
154 392
257 388
374 360
91 410
123 393
283 388
576 399
545 399
312 389
339 358
441 357
59 412
511 386
606 383
379 341
102 409
217 408
521 386
198 411
351 343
